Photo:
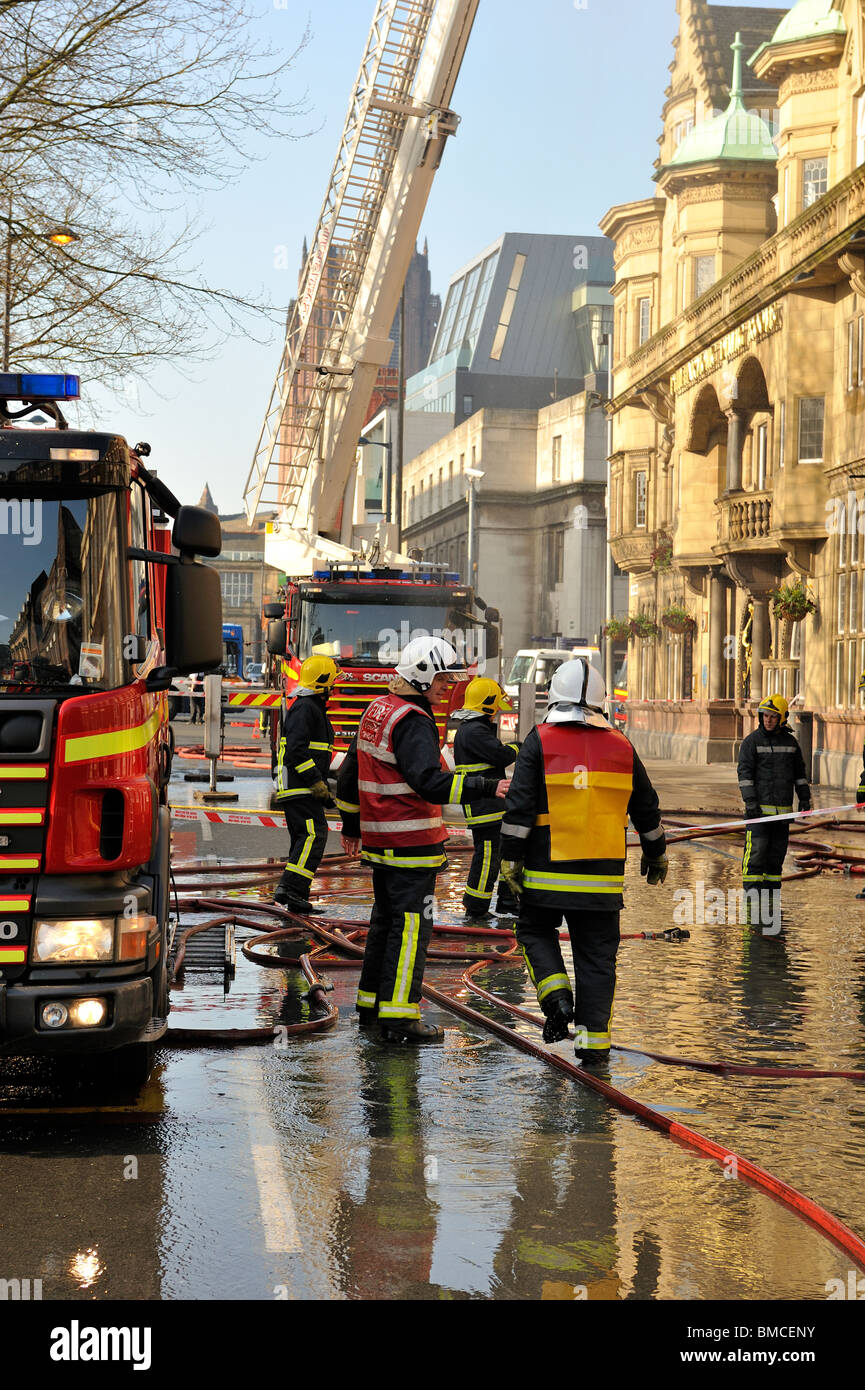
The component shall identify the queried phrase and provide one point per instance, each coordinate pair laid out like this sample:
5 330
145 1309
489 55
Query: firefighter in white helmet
390 790
575 783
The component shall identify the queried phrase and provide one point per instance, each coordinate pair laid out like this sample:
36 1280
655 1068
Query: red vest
391 814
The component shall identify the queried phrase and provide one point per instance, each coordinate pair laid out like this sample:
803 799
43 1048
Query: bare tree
111 113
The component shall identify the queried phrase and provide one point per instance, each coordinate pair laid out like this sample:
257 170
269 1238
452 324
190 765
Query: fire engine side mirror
492 639
274 610
193 618
197 531
277 637
492 615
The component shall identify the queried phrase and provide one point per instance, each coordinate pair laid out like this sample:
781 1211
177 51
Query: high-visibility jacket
478 748
770 768
305 747
391 785
573 789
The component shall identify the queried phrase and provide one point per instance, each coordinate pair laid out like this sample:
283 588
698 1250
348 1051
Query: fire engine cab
100 607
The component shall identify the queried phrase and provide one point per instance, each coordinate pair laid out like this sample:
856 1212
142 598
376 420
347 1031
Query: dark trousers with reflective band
400 928
307 826
484 869
765 849
594 945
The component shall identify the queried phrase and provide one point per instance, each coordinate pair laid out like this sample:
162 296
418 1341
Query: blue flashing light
452 577
39 386
319 575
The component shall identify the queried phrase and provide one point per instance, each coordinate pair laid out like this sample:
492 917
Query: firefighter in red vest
390 789
575 784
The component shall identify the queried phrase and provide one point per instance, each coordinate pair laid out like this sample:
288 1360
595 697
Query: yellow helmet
774 704
486 696
318 673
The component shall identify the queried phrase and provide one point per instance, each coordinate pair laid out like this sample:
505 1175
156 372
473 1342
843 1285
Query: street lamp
473 475
388 486
58 236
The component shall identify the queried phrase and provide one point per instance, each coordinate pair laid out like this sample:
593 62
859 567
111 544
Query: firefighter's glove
805 805
752 811
654 870
511 872
321 791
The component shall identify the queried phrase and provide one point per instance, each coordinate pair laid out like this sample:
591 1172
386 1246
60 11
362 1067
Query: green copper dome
736 134
809 19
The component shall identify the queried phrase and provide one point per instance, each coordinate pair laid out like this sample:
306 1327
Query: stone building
539 538
738 398
246 581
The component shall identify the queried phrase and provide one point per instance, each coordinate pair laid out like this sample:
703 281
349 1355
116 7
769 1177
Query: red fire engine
363 616
101 616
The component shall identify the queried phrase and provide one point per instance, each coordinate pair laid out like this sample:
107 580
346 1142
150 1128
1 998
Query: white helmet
575 687
427 657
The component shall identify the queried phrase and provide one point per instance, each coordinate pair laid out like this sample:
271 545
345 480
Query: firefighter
389 791
302 764
478 748
576 782
771 766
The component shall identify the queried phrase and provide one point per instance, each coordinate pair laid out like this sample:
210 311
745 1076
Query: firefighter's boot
411 1030
286 895
559 1010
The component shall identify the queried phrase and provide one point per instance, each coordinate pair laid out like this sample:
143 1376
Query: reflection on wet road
334 1167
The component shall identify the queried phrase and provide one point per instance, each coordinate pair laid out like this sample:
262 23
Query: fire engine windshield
373 634
61 591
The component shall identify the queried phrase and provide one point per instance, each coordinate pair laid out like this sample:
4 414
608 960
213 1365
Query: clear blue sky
560 105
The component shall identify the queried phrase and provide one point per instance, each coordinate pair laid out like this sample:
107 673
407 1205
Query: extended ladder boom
338 332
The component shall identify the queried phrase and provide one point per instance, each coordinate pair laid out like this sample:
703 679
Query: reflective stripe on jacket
391 814
573 788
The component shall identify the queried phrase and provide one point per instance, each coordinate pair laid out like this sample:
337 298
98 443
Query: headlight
71 942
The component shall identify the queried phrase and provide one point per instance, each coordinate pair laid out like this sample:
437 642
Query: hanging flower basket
792 603
644 627
617 629
676 618
662 556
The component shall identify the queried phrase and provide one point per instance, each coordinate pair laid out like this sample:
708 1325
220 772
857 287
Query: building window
811 429
860 130
237 587
555 558
704 274
508 307
640 500
762 456
468 405
681 129
441 497
557 458
855 329
786 195
782 431
815 179
644 311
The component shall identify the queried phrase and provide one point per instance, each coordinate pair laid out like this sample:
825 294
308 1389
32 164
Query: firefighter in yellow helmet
478 748
303 762
771 768
860 790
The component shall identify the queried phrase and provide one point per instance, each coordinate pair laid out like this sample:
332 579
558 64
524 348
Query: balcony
632 550
817 234
745 519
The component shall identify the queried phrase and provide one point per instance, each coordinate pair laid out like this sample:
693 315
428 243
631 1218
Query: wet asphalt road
334 1167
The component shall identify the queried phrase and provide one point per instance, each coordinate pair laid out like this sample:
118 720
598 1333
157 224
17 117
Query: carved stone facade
739 419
